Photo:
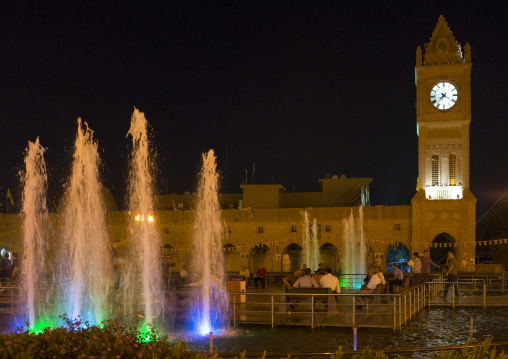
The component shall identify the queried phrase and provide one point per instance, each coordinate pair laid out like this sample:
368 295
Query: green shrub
74 340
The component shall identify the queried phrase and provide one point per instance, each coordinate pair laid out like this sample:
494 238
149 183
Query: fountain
80 258
35 214
144 264
210 304
85 258
354 252
310 242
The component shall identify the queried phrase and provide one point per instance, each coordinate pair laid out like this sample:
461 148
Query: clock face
444 95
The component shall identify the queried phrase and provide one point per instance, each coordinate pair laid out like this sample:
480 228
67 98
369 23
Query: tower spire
442 48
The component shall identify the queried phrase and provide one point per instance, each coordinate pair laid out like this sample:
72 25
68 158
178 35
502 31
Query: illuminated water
207 267
85 270
34 212
310 244
354 251
434 327
143 268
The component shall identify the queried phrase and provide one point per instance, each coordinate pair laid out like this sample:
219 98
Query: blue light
204 328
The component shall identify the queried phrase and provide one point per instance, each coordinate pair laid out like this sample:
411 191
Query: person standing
451 274
417 268
426 262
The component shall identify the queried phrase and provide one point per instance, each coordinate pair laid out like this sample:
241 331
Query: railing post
394 314
272 311
312 311
453 295
405 308
425 291
484 295
12 301
410 304
234 311
354 312
400 313
164 306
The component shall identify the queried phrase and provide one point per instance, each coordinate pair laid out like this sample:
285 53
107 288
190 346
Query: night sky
301 89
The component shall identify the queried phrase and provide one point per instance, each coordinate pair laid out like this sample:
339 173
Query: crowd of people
375 281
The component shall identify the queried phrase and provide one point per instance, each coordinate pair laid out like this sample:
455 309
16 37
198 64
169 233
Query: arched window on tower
453 169
435 170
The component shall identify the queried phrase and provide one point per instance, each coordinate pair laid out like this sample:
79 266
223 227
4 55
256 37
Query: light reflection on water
434 327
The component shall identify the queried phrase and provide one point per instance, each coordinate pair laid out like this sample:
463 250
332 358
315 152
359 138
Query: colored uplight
41 326
204 329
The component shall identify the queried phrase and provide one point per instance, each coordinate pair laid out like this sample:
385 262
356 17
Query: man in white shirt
380 275
417 268
330 281
369 288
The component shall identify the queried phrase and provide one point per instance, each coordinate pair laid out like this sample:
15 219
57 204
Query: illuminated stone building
441 215
264 224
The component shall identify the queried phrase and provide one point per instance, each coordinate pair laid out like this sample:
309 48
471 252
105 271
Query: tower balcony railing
443 192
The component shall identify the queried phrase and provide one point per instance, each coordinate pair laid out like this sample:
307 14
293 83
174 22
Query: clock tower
444 209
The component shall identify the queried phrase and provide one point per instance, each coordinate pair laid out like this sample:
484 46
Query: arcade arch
259 255
329 256
400 255
444 243
229 257
291 257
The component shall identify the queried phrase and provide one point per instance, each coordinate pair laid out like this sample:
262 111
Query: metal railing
487 291
380 310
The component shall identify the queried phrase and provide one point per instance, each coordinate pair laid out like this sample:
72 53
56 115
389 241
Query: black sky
299 88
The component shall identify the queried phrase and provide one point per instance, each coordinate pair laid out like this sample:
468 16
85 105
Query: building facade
264 224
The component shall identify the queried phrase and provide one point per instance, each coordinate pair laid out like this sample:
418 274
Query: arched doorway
398 254
258 256
329 256
229 257
291 258
441 245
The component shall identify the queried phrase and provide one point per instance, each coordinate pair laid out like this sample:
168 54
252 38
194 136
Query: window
435 170
327 228
442 47
453 170
293 229
396 227
260 230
